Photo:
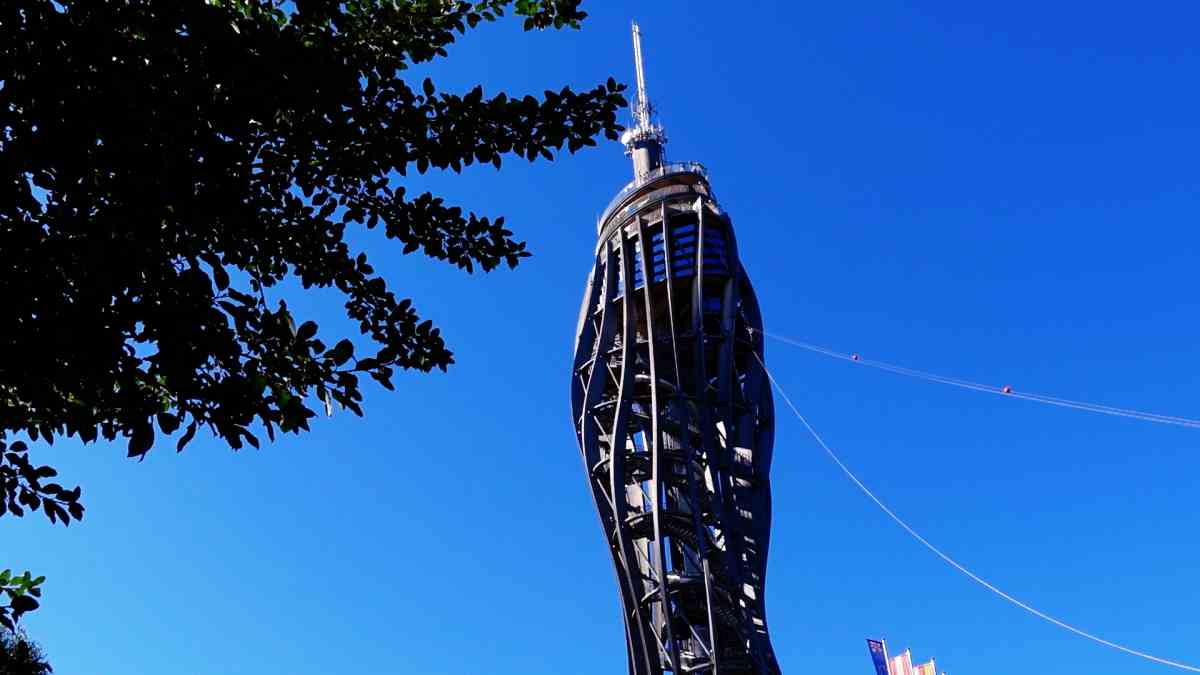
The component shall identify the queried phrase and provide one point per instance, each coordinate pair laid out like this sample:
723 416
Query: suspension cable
990 389
946 558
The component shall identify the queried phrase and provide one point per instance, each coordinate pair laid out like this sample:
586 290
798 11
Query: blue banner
878 656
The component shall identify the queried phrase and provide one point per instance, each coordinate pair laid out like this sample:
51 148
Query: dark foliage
19 656
162 163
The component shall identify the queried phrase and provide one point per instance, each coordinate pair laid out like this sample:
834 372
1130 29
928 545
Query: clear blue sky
1003 193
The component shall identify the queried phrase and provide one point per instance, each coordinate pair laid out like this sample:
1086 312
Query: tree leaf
141 438
22 604
341 352
186 438
167 422
306 331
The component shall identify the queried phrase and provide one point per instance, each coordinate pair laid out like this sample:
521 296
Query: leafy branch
21 593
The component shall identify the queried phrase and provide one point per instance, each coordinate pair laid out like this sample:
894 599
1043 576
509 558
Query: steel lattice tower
674 418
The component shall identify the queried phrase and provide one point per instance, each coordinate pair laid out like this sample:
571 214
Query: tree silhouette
20 656
162 164
165 162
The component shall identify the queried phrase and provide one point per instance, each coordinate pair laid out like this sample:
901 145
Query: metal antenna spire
641 111
644 141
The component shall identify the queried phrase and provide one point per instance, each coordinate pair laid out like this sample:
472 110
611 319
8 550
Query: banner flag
902 664
879 657
926 669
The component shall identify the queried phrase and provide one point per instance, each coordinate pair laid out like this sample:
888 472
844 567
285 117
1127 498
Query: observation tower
674 417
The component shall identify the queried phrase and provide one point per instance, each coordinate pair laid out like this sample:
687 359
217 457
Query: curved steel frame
675 423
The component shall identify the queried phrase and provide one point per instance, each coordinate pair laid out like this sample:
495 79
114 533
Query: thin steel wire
951 561
992 389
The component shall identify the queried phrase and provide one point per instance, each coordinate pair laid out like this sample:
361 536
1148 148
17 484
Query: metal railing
664 170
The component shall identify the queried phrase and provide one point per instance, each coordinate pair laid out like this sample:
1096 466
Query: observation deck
630 198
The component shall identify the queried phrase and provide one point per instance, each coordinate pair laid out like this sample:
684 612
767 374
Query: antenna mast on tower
641 110
644 142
